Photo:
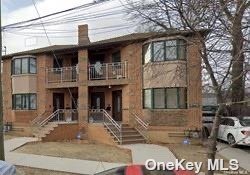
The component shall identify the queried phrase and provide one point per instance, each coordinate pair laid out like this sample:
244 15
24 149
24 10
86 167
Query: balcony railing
117 70
64 74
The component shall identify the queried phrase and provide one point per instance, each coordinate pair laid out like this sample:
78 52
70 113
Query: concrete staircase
42 132
129 135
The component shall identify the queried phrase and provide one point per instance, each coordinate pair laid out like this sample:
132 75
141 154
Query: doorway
97 100
58 101
117 105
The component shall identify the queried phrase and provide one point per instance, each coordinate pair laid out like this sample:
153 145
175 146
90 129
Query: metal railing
114 128
38 118
141 126
63 74
61 115
105 71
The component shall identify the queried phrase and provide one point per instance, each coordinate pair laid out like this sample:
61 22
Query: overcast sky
19 10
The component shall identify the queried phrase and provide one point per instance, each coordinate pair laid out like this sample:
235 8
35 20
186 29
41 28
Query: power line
53 52
56 13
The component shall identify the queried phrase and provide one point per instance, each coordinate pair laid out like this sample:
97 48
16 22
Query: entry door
58 101
97 100
117 105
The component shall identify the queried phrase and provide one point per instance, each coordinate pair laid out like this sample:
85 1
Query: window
159 98
147 53
24 101
171 50
147 98
165 98
25 65
116 57
158 51
172 98
164 51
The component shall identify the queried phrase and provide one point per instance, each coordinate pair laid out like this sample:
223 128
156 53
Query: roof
134 37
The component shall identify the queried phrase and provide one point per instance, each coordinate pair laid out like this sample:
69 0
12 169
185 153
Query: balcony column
83 87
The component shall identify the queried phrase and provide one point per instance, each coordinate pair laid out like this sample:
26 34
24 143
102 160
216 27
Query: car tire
231 140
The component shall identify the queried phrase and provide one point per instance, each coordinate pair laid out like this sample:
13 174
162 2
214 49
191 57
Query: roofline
204 32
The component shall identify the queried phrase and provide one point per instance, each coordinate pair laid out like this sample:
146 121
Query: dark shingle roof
134 37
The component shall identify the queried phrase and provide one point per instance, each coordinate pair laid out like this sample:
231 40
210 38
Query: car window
245 122
230 122
223 121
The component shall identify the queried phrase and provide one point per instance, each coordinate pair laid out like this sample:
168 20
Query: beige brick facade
138 77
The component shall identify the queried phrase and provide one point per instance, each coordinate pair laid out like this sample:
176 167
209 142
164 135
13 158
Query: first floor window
24 101
147 98
165 98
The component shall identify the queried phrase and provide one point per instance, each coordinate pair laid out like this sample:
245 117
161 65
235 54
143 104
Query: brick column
83 87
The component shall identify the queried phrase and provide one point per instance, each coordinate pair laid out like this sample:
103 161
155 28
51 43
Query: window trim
21 58
22 96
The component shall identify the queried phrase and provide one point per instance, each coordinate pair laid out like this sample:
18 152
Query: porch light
109 87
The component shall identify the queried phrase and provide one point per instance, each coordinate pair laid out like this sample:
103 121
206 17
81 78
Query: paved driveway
242 154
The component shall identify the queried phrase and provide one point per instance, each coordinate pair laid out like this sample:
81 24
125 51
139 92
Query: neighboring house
143 80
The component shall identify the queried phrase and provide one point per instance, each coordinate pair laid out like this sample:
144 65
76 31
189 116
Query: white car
235 131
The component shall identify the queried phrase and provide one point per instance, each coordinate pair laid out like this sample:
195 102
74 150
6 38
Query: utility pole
2 157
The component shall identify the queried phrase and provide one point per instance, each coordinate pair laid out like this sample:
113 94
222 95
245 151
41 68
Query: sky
19 10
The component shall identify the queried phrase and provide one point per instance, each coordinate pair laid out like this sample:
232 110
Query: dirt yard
9 136
192 153
33 171
84 151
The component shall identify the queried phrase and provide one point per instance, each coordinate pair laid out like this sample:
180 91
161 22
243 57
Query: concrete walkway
235 153
142 152
52 163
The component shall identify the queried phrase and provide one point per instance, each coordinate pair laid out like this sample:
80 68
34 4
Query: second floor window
164 51
25 65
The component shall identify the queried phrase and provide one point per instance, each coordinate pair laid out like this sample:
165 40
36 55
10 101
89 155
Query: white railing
61 115
63 74
38 118
114 128
141 126
117 70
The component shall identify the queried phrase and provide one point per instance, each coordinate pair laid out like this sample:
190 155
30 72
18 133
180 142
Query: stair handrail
114 123
35 120
46 120
141 123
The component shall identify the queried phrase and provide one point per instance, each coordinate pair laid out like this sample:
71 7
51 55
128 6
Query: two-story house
124 89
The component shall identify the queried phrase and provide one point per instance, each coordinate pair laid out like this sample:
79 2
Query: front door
58 101
97 100
117 105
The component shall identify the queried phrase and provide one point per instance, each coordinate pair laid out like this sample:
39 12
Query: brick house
140 86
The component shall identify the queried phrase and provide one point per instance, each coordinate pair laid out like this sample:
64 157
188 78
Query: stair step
17 129
132 141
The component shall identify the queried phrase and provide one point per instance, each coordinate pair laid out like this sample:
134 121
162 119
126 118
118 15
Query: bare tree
223 50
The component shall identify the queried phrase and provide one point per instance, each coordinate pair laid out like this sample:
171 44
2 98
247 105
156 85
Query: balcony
61 77
108 73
